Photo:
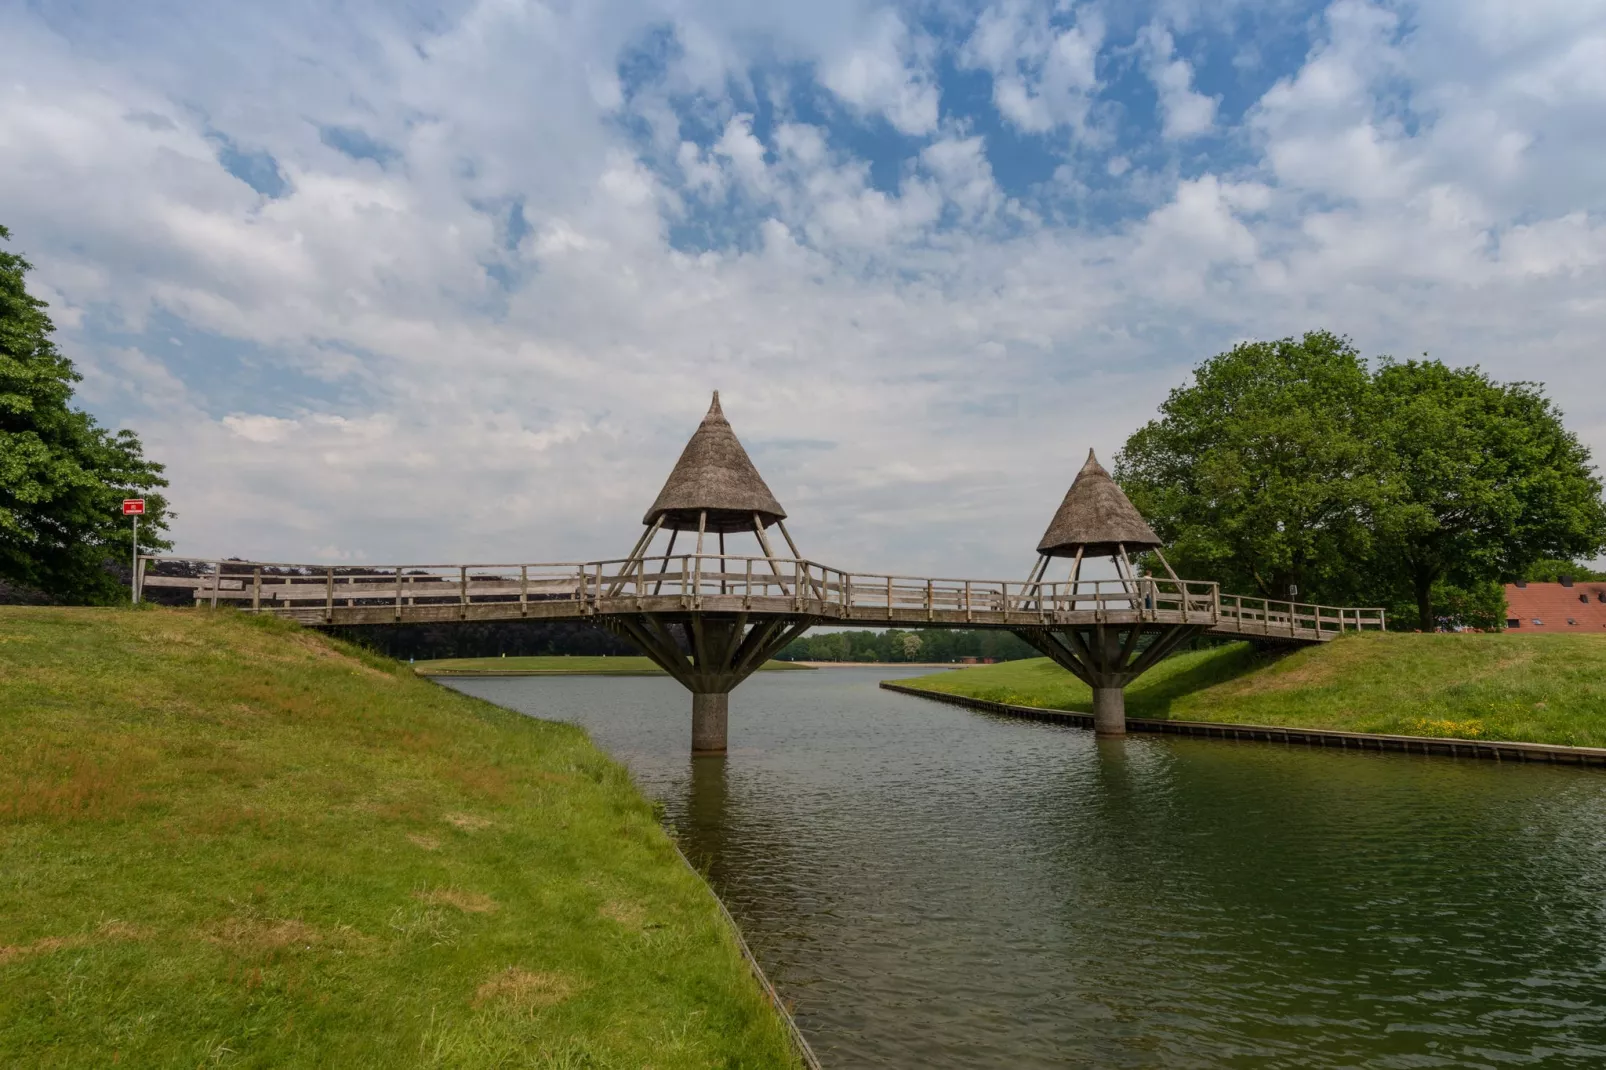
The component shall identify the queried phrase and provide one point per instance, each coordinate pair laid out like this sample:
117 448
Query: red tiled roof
1550 607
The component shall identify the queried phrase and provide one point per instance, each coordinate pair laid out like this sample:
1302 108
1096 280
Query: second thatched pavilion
1097 520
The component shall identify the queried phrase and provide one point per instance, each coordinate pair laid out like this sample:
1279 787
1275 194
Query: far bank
1519 688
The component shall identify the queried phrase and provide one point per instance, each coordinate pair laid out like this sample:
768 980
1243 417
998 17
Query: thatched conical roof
1097 517
714 474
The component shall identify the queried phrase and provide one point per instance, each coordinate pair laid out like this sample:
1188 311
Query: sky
410 282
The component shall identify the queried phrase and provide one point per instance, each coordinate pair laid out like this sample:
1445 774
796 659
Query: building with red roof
1567 606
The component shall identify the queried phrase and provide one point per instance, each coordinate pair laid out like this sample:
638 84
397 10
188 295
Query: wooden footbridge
710 618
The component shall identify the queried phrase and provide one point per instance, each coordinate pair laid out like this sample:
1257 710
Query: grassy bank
226 840
563 665
1528 688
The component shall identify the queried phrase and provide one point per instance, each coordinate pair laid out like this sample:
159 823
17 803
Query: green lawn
578 665
227 840
1531 688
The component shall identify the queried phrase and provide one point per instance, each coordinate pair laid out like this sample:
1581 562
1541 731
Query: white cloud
886 74
1044 75
1184 112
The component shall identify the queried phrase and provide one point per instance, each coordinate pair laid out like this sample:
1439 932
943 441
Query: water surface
936 887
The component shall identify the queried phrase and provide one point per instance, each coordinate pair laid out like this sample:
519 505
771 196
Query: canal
931 886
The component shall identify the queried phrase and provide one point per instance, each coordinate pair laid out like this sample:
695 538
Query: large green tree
62 476
1484 481
1290 463
1255 473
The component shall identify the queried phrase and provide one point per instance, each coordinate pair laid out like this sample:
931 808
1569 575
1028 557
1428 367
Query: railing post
462 592
256 589
797 585
398 591
889 596
596 599
329 595
847 593
524 590
747 586
928 599
968 617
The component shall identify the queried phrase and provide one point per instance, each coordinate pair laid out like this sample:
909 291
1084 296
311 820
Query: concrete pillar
709 715
1109 711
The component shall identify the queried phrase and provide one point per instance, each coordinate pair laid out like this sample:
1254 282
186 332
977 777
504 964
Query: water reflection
935 887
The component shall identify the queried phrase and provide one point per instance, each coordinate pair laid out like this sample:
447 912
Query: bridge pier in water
710 721
711 655
1107 658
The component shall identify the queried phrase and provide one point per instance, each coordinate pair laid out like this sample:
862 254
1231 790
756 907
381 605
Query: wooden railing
725 583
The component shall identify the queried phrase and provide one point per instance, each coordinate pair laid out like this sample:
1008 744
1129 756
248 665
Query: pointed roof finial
715 476
1096 517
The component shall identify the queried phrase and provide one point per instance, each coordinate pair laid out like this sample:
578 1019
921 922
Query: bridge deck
322 595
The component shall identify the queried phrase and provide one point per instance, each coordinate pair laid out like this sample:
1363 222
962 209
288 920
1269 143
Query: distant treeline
481 639
486 639
921 644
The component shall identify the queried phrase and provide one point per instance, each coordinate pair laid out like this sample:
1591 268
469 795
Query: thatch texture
714 474
1097 517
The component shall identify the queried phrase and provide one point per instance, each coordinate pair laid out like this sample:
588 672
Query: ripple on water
933 886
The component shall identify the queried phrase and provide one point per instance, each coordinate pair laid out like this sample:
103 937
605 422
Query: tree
1256 473
62 476
1483 481
1416 486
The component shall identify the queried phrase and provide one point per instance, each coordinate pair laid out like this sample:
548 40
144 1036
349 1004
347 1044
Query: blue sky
432 282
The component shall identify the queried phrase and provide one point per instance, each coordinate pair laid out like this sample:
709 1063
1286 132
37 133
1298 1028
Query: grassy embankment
1528 688
557 665
227 840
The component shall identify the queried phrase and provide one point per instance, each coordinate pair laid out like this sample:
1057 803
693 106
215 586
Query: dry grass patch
428 843
106 931
70 785
246 935
467 902
518 987
630 915
467 822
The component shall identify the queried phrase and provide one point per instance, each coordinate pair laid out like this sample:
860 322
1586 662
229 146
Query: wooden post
524 590
747 586
721 562
769 555
928 599
663 568
329 596
462 592
889 596
968 617
697 569
217 580
256 589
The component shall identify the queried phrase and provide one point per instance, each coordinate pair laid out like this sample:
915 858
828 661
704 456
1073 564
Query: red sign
133 506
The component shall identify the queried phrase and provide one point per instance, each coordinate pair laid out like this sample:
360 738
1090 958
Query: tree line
899 645
1296 466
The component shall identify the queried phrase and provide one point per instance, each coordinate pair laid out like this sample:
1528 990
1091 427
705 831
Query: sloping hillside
226 840
1532 688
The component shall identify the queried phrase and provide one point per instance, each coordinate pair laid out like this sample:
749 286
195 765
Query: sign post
134 507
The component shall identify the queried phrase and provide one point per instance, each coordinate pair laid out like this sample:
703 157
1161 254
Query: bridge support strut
709 654
1107 657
